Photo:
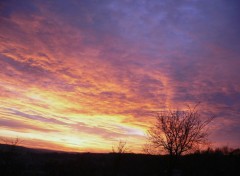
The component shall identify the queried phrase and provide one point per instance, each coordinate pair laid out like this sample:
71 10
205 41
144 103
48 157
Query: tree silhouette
11 143
178 132
121 147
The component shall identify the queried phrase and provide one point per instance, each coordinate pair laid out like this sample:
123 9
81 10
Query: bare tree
121 147
11 143
14 142
178 132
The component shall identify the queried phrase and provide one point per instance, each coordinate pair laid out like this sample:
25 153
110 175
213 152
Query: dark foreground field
22 161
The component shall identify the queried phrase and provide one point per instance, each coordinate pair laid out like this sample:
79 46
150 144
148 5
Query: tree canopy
177 132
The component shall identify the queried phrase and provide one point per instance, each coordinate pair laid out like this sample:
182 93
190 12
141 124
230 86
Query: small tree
12 143
121 147
178 132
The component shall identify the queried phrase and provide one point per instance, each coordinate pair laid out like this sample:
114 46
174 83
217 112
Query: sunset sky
80 75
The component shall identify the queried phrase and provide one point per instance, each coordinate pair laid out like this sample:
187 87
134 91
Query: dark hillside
23 161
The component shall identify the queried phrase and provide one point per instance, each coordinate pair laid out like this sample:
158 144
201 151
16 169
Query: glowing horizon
82 75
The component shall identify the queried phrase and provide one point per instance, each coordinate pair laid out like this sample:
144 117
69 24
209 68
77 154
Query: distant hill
6 147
